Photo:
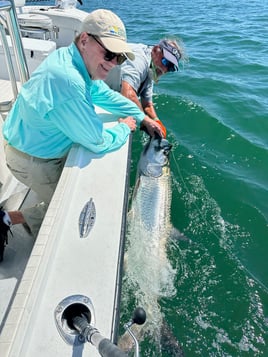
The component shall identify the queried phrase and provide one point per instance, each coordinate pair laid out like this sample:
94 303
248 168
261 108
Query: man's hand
129 121
152 126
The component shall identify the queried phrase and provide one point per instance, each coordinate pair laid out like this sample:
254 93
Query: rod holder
65 312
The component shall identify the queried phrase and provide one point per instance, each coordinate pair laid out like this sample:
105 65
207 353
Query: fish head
155 157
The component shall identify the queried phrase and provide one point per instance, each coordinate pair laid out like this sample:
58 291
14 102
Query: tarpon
148 269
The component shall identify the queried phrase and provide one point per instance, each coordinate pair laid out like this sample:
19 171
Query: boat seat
35 25
35 21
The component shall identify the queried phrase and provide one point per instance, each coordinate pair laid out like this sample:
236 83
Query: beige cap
109 29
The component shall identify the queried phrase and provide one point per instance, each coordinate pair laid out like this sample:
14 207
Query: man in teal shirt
55 109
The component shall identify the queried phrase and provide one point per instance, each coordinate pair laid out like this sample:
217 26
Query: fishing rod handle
108 349
105 347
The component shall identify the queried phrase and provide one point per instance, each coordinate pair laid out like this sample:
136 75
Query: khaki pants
40 175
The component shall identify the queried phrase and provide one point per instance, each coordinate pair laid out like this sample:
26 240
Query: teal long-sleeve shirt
55 109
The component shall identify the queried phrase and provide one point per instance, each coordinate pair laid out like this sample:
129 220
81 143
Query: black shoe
4 229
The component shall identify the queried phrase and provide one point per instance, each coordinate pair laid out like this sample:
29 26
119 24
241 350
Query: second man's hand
152 127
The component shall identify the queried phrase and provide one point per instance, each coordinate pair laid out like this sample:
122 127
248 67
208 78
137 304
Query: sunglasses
108 55
169 65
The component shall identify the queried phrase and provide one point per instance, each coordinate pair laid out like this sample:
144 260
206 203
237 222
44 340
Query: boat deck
6 90
13 195
6 93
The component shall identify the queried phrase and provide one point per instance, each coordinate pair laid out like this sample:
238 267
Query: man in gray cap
134 79
55 109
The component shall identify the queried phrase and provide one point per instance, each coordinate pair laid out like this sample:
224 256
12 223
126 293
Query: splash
148 271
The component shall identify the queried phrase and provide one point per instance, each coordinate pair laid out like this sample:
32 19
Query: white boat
75 263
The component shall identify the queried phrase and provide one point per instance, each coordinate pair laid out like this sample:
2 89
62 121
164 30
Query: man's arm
130 93
148 108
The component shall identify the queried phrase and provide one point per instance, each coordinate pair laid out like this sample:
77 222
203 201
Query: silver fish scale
152 202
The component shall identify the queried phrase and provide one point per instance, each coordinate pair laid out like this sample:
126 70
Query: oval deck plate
87 218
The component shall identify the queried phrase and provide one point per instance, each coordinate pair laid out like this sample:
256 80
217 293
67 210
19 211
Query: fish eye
158 147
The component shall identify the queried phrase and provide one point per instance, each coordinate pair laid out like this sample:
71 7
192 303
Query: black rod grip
108 349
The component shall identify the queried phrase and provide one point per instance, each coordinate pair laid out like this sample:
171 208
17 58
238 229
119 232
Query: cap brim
170 57
117 46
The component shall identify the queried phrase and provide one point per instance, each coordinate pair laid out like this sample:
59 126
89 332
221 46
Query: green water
216 113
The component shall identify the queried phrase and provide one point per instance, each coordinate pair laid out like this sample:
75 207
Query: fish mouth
155 157
167 148
164 143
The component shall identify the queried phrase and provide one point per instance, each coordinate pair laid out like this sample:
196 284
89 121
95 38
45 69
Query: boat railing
9 26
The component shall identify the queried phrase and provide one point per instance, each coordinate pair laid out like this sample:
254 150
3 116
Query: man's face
93 55
157 56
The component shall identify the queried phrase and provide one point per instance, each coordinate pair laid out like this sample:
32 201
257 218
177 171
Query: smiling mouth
106 69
